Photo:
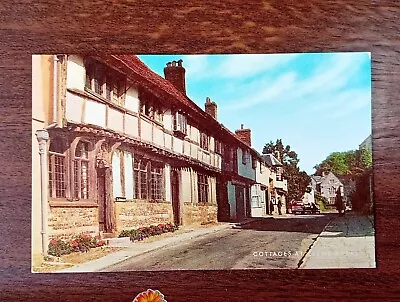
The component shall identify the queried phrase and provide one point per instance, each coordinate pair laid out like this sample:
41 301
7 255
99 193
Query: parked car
301 208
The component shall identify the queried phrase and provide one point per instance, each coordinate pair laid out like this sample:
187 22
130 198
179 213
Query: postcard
201 162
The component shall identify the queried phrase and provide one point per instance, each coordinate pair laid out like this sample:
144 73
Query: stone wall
197 214
66 222
134 214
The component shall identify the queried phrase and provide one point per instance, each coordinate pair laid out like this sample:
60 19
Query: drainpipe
42 137
56 96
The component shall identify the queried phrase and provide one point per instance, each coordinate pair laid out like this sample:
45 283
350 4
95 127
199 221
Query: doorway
175 197
105 210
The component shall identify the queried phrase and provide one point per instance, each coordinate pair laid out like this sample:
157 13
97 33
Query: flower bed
145 232
82 243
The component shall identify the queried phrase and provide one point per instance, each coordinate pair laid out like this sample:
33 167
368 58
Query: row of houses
116 146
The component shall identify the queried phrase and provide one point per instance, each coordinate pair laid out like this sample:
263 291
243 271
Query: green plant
82 243
144 232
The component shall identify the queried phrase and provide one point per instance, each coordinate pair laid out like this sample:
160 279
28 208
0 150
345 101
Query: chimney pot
244 135
210 108
176 75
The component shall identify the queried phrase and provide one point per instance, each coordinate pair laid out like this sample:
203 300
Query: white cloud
243 66
196 66
326 82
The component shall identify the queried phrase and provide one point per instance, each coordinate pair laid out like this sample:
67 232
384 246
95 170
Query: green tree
297 180
353 162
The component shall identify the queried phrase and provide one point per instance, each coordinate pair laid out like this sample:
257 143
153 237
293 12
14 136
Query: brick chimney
175 73
244 135
211 108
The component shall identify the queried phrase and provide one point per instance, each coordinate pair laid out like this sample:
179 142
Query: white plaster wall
212 193
194 134
95 113
115 120
116 173
128 175
167 120
194 178
212 145
167 182
263 175
75 72
178 143
168 141
186 186
146 129
193 150
132 99
131 125
187 148
37 89
158 136
74 107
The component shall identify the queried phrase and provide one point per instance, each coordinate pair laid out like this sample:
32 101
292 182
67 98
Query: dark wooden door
101 193
175 197
240 208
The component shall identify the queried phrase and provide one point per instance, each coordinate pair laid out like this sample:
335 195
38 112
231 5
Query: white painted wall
187 148
186 186
263 175
74 107
115 120
116 173
95 113
132 99
128 175
37 88
167 182
178 143
75 72
158 136
167 120
146 129
131 125
168 141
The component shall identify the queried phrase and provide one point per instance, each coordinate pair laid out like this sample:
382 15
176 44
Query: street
264 244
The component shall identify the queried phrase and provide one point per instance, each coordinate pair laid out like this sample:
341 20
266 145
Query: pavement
346 242
135 249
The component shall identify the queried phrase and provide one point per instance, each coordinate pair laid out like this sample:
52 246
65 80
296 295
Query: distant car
301 208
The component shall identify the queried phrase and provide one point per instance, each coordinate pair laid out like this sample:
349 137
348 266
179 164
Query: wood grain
130 26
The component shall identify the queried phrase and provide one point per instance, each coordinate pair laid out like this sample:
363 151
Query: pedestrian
339 201
271 206
279 206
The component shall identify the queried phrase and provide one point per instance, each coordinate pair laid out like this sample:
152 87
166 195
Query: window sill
72 204
149 119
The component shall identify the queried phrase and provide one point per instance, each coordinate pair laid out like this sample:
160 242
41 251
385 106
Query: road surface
265 244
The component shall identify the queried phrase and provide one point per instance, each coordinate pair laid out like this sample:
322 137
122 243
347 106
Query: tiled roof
316 178
271 160
142 70
144 75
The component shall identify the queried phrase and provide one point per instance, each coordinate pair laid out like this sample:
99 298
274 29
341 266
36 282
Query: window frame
204 141
108 79
53 181
77 178
202 188
148 177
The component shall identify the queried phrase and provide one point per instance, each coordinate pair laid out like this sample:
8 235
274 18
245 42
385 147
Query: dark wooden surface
28 27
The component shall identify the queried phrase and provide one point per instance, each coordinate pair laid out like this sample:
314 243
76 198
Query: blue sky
317 103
